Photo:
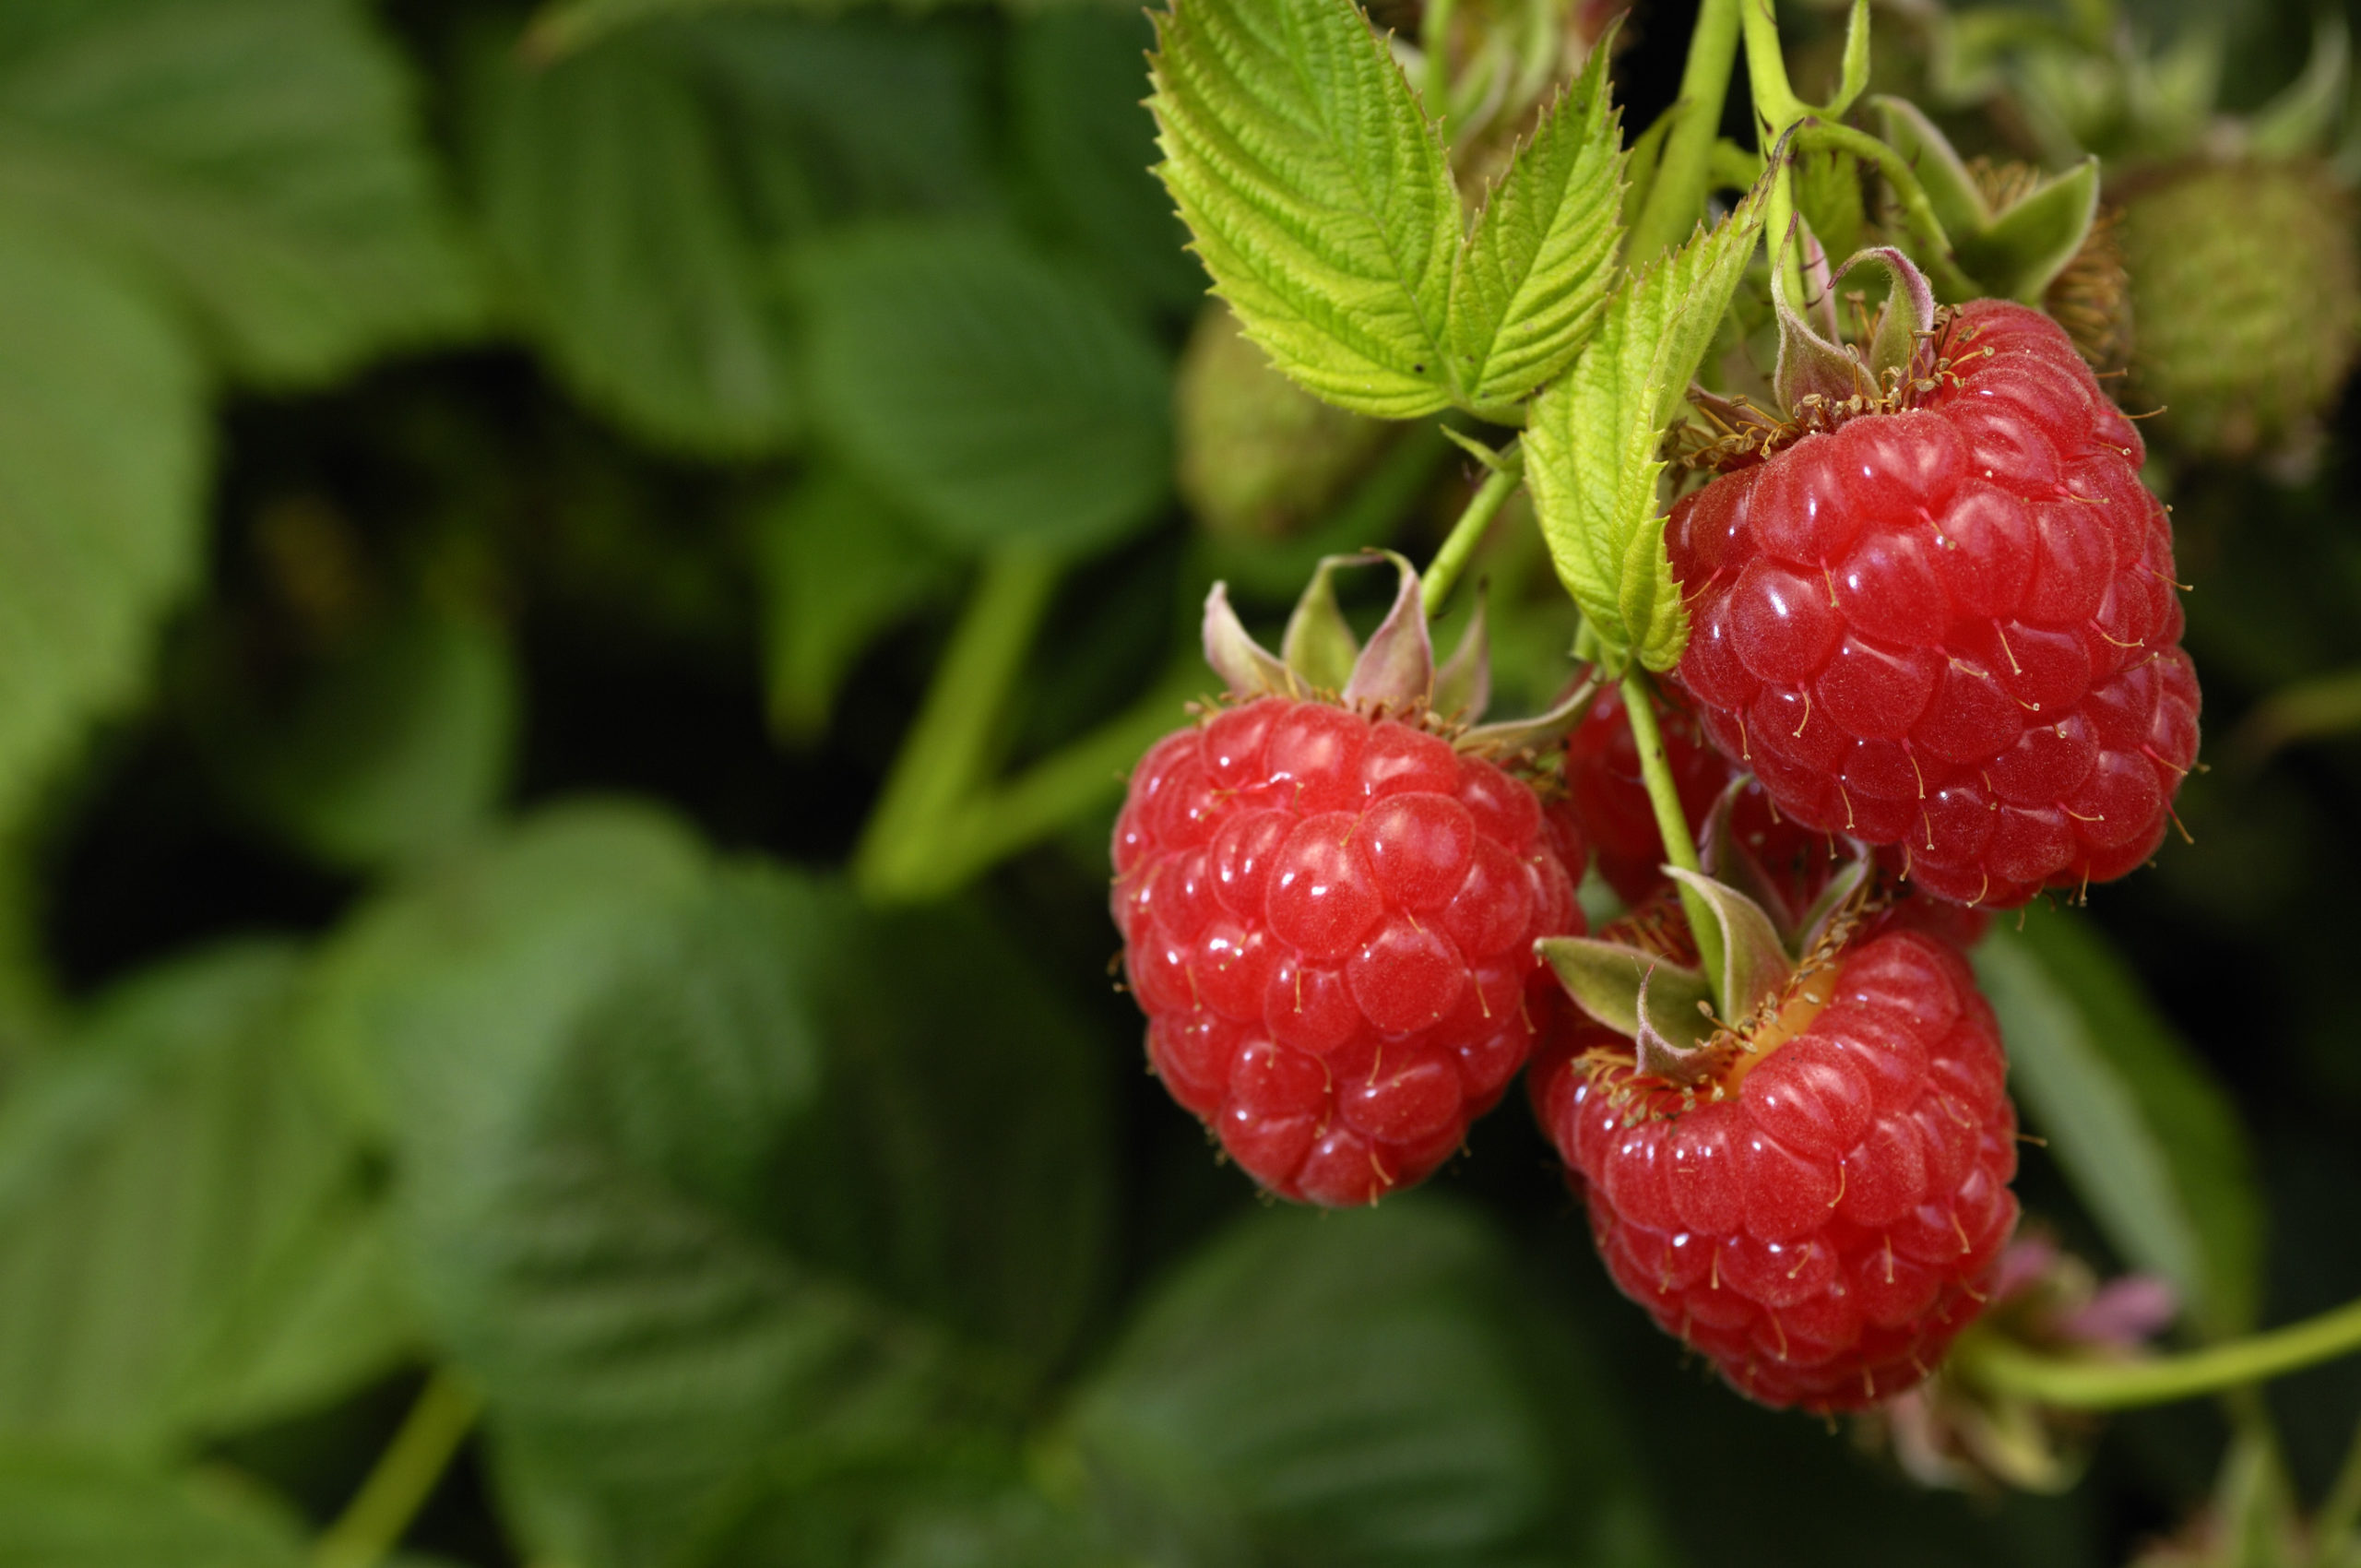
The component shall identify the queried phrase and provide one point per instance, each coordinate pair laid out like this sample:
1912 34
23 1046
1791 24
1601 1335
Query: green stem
2332 1534
1443 572
943 756
405 1475
2100 1385
1918 217
1677 197
1672 822
1776 111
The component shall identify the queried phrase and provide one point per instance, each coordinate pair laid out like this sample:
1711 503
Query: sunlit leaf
1540 258
1319 194
2150 1141
1592 458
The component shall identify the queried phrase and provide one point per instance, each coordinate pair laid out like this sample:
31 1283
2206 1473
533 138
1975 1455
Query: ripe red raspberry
1819 1217
1952 629
1329 920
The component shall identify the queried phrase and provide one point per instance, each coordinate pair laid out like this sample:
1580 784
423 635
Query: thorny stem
2102 1385
1672 823
943 756
1442 572
1677 198
405 1475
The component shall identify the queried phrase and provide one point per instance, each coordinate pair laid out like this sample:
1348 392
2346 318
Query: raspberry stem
2097 1385
1442 572
1677 197
1672 824
1918 210
405 1475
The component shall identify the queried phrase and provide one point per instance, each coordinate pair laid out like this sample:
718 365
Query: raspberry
1329 920
1819 1218
1953 630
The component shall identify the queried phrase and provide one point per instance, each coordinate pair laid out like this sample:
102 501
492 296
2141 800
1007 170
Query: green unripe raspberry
2246 297
1259 457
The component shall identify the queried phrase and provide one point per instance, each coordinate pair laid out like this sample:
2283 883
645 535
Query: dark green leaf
840 565
184 1242
1320 196
102 460
997 394
1368 1388
2148 1140
700 1162
1088 142
59 1510
608 185
395 751
255 156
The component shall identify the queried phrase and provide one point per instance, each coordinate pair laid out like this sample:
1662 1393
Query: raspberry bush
777 786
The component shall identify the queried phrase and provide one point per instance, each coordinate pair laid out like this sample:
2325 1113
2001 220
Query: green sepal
1395 668
1318 646
1755 963
2021 250
1606 980
1246 667
1463 684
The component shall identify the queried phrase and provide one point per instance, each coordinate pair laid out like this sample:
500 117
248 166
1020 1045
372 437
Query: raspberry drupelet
1953 630
1819 1213
1329 918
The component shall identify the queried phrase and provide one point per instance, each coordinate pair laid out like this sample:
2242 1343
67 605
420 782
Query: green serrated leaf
2019 251
1592 450
178 1190
1534 274
697 1161
1320 196
256 158
995 393
1374 1386
61 1509
2149 1141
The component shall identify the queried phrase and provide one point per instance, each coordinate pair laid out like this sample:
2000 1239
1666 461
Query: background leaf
255 157
839 567
184 1220
1592 450
71 1511
697 1162
2148 1140
1535 273
1319 195
102 457
1357 1387
994 393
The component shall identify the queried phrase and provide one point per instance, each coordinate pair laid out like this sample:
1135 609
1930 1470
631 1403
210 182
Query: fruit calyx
1822 381
1393 674
1640 978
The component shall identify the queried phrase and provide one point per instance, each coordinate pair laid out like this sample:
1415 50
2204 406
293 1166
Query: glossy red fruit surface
1953 630
1820 1221
1329 921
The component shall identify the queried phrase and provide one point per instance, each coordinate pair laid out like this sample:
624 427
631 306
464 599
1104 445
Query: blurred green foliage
477 520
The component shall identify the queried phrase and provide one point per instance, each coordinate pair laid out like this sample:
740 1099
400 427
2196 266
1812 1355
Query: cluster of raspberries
1945 635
